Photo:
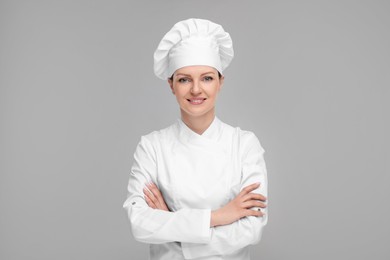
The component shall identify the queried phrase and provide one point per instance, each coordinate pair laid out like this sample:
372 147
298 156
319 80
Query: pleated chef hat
193 42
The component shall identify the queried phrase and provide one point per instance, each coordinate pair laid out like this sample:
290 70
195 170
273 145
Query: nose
196 88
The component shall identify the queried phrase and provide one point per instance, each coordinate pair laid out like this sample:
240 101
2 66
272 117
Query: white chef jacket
196 174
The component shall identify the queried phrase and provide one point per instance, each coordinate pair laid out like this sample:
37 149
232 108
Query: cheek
180 98
214 91
179 93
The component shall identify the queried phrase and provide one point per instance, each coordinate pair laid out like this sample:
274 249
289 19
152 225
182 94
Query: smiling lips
196 101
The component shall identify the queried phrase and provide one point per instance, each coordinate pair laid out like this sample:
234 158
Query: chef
197 188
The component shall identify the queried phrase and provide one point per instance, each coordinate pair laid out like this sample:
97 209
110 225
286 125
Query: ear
170 82
221 80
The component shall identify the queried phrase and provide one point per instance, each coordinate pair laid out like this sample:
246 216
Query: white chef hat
193 42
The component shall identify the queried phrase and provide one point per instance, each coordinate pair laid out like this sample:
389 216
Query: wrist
214 218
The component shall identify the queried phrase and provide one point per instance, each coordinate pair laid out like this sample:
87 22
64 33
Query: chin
190 113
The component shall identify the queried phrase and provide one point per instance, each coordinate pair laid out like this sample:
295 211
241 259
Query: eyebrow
187 75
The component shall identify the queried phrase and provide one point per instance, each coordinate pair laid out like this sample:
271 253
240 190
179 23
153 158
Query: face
196 89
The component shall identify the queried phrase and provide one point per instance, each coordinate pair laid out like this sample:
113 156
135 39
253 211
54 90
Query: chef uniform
195 173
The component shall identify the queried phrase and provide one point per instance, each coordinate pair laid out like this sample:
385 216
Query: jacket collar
210 135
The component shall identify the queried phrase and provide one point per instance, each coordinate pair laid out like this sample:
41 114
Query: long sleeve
157 226
248 230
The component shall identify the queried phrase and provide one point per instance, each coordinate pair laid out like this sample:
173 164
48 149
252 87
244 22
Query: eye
183 80
208 78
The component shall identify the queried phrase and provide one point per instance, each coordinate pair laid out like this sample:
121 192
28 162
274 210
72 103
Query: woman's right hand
154 198
239 207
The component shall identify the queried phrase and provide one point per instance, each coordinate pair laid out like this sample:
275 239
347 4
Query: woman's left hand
154 198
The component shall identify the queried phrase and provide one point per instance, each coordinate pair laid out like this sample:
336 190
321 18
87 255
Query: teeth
196 100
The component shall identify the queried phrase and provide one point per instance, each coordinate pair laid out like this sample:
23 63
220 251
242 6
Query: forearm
228 238
158 226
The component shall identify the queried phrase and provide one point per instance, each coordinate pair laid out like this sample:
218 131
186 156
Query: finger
153 189
159 197
152 198
254 196
156 192
159 201
146 195
150 203
253 203
255 213
249 188
151 195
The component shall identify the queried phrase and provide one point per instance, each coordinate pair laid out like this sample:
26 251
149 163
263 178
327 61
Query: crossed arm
236 209
202 232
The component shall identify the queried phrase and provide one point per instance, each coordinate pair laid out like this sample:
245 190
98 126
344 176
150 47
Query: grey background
310 78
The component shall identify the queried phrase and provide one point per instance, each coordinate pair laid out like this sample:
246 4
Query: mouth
196 101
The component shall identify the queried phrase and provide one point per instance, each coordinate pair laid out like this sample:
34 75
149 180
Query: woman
197 188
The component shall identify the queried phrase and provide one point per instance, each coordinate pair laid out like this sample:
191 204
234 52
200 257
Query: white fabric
193 42
196 174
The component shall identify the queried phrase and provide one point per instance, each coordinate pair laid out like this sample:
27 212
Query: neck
198 124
